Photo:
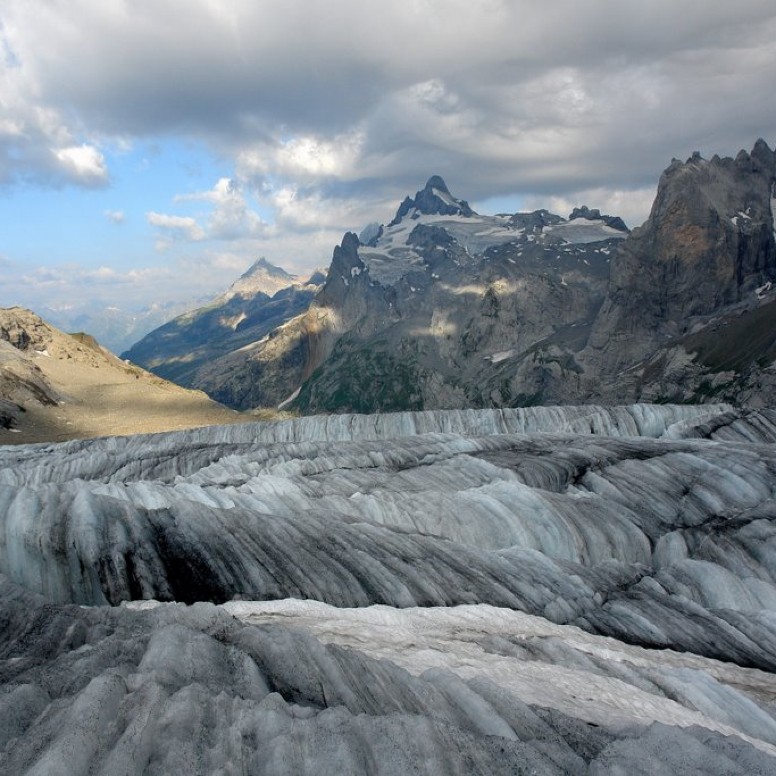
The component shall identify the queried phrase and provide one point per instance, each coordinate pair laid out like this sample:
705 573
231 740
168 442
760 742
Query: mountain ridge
261 299
433 199
421 261
444 307
56 386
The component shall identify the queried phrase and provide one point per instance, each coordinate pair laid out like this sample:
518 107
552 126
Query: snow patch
453 639
291 398
445 197
501 355
439 328
233 322
578 232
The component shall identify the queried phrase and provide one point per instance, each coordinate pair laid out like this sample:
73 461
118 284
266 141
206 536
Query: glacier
543 590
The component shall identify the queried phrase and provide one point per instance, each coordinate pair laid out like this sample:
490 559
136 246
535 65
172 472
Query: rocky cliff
690 302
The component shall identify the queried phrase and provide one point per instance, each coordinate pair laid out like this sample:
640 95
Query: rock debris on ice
552 590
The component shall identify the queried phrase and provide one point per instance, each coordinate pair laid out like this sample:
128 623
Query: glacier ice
556 589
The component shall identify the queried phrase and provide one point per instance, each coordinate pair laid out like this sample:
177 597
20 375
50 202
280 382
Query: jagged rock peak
762 154
433 199
761 158
437 182
594 214
585 212
345 266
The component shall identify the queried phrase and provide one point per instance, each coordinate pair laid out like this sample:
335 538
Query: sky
151 151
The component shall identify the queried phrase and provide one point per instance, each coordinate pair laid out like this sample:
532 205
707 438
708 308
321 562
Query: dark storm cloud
508 97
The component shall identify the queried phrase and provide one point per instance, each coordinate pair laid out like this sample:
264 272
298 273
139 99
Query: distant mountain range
444 308
116 328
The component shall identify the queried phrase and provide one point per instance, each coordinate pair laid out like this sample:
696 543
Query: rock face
692 280
563 590
262 299
22 382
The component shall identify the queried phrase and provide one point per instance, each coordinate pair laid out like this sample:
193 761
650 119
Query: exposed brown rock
55 386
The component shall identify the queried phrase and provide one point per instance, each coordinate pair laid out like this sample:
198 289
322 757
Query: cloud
507 95
37 143
231 217
116 216
178 226
304 157
68 274
82 287
48 286
84 164
323 116
300 209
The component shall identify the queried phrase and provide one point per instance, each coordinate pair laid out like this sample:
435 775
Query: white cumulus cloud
84 162
231 217
183 226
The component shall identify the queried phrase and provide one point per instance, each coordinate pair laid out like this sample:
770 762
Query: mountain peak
263 266
436 182
434 199
261 277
